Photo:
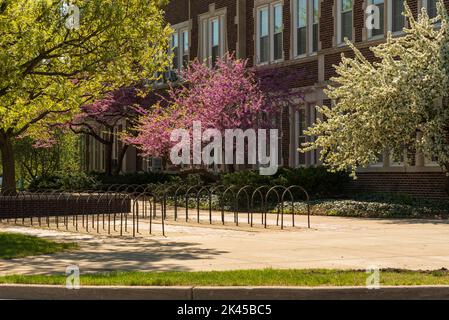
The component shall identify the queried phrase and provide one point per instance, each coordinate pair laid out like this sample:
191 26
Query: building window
301 27
270 27
213 39
396 19
277 32
263 38
431 7
380 31
185 48
344 20
180 49
315 24
306 20
301 137
175 50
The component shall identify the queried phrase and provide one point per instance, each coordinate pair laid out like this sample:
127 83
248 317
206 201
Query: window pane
315 12
215 32
277 18
264 49
185 48
380 31
185 41
432 8
302 138
346 5
215 41
301 20
315 17
277 37
263 18
346 25
215 55
301 27
315 38
397 17
263 36
278 46
175 48
302 40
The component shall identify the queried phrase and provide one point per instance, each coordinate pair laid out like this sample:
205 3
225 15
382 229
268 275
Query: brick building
298 34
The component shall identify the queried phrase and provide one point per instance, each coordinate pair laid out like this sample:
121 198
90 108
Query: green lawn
15 245
266 277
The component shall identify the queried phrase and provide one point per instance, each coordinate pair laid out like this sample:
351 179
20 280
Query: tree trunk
8 164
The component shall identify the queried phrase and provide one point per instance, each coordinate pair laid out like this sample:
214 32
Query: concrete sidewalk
342 243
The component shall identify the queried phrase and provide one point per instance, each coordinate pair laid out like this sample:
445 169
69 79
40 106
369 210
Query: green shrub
65 180
317 181
133 178
372 208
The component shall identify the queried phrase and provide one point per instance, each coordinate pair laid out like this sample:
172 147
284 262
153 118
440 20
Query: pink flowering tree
100 118
231 95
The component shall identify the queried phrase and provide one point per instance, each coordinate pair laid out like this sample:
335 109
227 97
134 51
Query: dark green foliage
64 180
133 178
316 180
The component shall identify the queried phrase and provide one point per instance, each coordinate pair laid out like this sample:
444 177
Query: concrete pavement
334 242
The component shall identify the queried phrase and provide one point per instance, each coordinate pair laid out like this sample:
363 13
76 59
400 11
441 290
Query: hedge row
316 180
374 206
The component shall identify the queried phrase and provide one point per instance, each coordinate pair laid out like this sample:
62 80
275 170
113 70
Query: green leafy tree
34 160
399 101
56 56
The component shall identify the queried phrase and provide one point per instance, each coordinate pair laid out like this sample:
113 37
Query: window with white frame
431 7
315 25
175 50
270 28
396 20
301 126
180 48
306 24
378 31
344 20
263 37
277 32
185 48
213 38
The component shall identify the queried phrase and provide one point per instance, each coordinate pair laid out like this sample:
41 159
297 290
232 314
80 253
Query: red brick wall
424 185
178 11
326 24
202 6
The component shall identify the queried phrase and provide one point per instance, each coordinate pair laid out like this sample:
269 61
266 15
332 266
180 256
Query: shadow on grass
119 254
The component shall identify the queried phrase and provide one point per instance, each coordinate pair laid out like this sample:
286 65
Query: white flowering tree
399 100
